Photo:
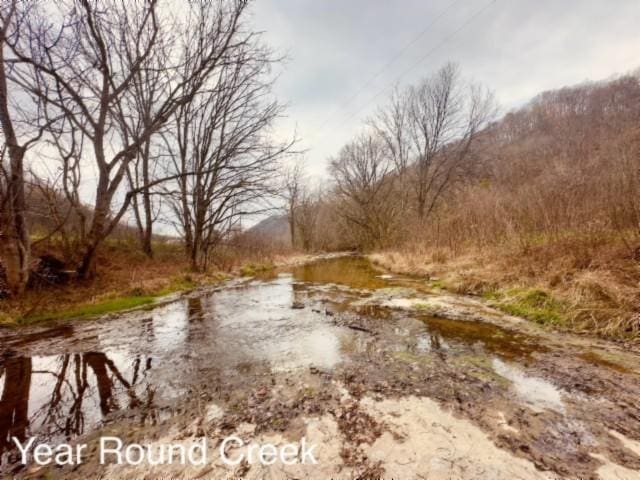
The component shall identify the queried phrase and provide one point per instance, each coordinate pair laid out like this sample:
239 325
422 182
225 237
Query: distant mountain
273 229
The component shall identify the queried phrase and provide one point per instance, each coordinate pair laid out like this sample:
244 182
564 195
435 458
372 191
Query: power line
395 58
445 40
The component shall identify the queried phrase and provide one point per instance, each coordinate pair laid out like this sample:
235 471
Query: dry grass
126 278
579 285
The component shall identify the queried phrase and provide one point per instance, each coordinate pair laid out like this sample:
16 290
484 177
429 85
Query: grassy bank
70 301
130 297
126 279
572 287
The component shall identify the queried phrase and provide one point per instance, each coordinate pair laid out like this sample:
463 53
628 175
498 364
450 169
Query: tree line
171 110
165 116
435 168
412 152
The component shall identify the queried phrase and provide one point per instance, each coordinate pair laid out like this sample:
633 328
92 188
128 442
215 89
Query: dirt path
386 378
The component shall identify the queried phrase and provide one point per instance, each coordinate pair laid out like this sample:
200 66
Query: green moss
395 292
135 298
306 392
278 423
424 307
409 357
247 271
485 183
618 361
251 269
479 367
179 284
6 319
91 310
437 284
530 303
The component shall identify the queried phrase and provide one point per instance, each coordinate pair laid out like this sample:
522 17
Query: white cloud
517 48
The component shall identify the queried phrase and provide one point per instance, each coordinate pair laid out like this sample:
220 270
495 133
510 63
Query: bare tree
391 124
363 177
144 171
445 118
302 206
292 193
147 86
82 58
15 244
307 217
221 154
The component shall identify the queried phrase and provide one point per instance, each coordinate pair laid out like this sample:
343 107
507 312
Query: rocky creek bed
387 378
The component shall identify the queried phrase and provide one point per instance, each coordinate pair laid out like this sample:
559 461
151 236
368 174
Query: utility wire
444 41
393 60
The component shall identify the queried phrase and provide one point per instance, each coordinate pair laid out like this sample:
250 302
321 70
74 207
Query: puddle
537 393
354 272
595 359
491 338
61 396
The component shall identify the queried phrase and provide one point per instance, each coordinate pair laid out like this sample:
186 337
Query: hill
273 229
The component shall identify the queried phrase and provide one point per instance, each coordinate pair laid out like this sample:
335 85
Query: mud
388 378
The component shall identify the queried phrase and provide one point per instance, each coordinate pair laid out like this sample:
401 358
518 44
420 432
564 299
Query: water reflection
486 336
537 393
355 272
142 362
60 396
14 403
139 363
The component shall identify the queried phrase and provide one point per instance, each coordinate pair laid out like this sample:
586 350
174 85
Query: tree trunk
292 229
147 248
96 234
87 264
15 245
98 362
196 256
14 262
144 229
14 403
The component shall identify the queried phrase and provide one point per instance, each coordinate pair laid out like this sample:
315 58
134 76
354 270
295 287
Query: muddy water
552 405
64 381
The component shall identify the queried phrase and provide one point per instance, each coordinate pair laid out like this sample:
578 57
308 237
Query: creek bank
597 302
362 369
167 291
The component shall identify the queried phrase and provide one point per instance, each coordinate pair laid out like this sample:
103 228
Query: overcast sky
517 48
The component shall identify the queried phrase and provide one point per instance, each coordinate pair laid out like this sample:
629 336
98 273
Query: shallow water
535 392
354 272
62 381
491 338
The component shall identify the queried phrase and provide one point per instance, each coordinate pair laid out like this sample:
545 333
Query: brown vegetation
127 277
545 200
556 207
157 105
174 115
125 271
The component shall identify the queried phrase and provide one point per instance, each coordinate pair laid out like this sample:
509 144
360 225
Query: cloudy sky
345 56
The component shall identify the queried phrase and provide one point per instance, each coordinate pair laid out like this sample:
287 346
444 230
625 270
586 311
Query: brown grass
594 285
125 278
123 271
549 227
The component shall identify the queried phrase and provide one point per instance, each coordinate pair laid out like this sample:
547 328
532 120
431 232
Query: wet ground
390 378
